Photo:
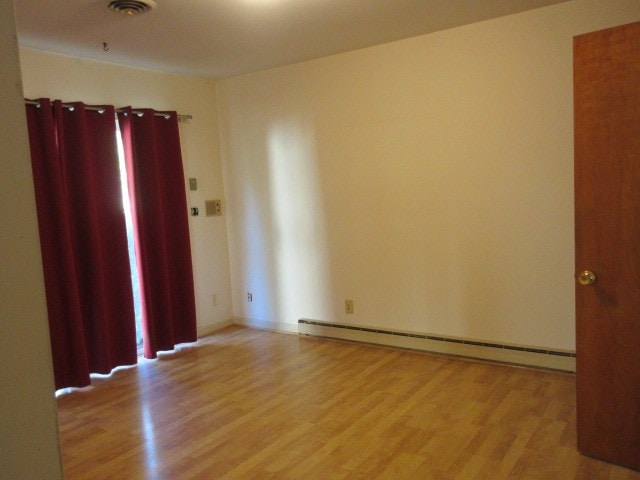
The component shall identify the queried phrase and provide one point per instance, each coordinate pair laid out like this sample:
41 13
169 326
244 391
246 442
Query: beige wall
28 423
73 79
429 180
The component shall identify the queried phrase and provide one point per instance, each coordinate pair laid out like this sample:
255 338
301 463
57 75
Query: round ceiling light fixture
132 7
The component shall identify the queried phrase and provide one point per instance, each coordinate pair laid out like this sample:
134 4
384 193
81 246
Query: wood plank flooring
259 405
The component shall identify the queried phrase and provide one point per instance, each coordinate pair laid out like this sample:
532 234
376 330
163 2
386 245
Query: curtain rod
181 118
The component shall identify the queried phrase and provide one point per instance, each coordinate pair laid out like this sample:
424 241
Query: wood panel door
607 214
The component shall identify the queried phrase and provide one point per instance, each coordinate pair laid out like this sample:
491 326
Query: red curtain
83 240
163 251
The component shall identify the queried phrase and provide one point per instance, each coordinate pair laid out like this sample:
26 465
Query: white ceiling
224 38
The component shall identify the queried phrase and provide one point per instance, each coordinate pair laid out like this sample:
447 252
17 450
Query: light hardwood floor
251 404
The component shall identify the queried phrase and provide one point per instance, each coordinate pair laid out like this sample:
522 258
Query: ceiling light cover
132 7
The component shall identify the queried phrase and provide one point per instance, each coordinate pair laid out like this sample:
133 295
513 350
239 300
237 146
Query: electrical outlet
249 297
348 306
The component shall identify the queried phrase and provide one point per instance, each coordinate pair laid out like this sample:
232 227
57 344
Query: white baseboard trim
209 328
266 324
564 360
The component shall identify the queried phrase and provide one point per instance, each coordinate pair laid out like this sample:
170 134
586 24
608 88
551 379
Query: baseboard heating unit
563 360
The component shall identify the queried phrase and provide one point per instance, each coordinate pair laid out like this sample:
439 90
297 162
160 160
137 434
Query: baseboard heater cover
563 360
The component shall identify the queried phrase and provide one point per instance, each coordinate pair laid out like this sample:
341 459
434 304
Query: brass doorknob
587 278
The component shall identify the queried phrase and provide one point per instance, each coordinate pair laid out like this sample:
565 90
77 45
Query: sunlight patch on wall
301 256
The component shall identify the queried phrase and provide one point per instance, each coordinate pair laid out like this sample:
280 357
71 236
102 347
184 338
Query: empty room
300 239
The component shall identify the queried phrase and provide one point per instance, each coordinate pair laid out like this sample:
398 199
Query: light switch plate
213 208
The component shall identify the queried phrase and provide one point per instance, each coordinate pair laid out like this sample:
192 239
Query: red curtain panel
163 251
83 240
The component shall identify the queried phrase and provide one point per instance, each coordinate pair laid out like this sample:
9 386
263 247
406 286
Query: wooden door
607 214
